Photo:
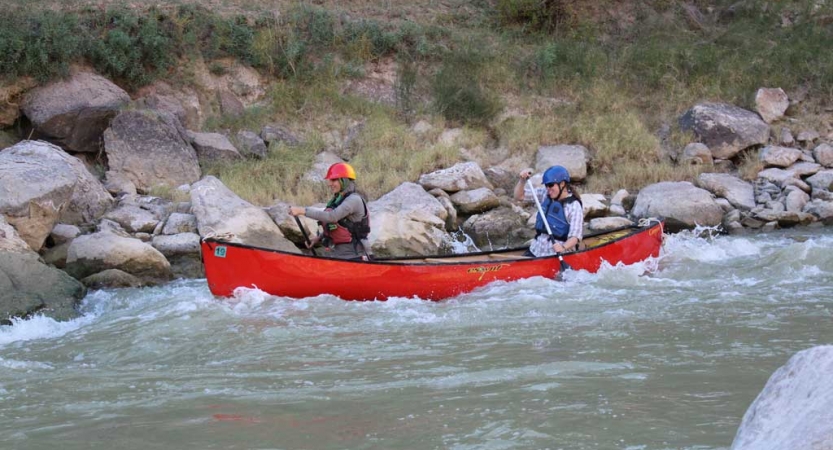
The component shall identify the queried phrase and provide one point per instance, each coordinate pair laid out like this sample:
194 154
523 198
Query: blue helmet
556 174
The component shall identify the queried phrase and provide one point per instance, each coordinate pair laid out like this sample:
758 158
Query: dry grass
391 154
750 164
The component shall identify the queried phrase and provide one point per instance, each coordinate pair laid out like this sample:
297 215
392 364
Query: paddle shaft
564 265
305 234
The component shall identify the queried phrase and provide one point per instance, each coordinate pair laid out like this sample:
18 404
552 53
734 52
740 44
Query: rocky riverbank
75 208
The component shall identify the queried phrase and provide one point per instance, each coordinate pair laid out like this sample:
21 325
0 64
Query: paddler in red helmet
345 220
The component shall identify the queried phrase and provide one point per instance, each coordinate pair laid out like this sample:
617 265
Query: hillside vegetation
514 74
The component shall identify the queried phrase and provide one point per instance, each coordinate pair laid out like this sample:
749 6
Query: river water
621 359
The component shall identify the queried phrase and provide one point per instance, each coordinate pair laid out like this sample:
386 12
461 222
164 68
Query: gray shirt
351 208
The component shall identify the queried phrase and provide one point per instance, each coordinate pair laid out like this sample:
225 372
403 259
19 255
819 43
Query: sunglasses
549 185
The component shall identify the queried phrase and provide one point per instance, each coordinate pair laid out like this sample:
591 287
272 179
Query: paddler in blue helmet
563 212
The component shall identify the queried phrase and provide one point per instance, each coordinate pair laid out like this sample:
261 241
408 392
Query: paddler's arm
521 184
351 205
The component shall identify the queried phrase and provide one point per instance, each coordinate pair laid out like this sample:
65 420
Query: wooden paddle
564 265
306 235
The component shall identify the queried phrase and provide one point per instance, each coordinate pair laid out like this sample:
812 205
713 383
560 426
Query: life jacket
346 231
557 219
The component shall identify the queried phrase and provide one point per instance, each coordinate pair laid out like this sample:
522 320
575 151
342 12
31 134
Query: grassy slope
610 77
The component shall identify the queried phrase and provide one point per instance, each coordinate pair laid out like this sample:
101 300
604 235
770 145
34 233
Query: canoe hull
229 266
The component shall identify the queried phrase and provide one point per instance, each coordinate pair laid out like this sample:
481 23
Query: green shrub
42 46
535 15
458 92
126 46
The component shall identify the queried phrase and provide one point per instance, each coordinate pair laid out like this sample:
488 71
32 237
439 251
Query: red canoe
231 265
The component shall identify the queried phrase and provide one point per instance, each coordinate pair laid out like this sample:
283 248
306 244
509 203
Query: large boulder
683 205
793 411
408 221
89 201
28 286
221 212
503 227
93 253
741 194
36 186
459 177
151 148
75 112
725 129
571 157
475 201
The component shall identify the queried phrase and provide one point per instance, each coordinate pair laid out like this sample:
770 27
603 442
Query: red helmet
340 170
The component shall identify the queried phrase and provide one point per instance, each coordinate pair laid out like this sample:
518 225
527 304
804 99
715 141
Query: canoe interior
589 242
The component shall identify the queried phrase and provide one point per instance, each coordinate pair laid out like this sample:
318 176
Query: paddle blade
564 267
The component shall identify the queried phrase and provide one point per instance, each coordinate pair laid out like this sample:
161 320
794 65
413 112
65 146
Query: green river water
622 359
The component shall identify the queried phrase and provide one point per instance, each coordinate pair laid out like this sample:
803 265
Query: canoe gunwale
452 258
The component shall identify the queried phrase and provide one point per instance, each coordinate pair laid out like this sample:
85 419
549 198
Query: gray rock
150 149
112 278
697 153
64 233
786 139
777 176
407 222
738 192
322 163
771 103
594 205
35 188
475 201
572 157
75 112
822 209
807 136
251 145
822 180
796 200
119 184
220 211
823 153
774 156
177 244
93 253
10 240
459 177
804 169
27 287
230 105
503 227
279 212
682 204
180 223
608 223
793 409
211 147
277 134
725 129
133 218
